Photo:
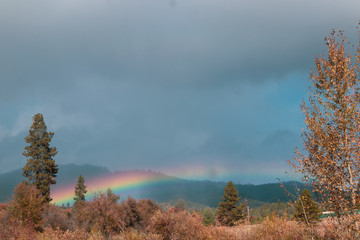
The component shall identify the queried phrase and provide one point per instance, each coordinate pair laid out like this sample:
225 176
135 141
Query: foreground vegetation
104 218
30 216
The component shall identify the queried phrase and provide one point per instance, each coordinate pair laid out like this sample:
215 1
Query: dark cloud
281 142
144 84
11 151
203 41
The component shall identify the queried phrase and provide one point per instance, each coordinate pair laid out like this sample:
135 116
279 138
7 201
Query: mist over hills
202 193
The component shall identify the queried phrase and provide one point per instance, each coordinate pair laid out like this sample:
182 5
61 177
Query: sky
200 89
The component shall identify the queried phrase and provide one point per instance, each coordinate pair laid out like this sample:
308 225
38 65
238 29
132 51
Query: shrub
130 213
331 228
279 209
208 216
27 205
77 234
102 215
57 218
4 206
275 228
180 204
182 225
133 234
11 228
174 224
146 209
137 214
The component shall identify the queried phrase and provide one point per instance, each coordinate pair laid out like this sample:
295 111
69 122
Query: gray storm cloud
143 84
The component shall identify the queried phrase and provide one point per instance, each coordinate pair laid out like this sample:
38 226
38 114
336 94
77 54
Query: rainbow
132 182
119 182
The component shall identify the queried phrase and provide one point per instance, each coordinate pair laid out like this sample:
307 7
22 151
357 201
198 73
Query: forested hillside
206 193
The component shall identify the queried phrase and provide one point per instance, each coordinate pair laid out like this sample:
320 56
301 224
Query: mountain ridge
204 192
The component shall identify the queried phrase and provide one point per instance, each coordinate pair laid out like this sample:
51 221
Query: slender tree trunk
352 188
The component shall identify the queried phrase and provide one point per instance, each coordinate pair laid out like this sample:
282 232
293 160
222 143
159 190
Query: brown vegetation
29 217
102 215
170 224
27 205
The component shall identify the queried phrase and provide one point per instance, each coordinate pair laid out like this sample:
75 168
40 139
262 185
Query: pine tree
40 169
229 210
306 209
80 190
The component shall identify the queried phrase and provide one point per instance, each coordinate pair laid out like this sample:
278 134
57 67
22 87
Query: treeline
206 193
209 193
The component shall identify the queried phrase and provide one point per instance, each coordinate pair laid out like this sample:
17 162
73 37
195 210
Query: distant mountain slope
210 193
8 181
67 174
171 189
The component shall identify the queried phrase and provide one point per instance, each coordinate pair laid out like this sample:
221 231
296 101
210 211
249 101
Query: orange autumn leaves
331 157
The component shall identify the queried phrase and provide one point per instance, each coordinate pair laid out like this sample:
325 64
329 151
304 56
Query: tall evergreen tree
229 210
40 169
80 190
306 209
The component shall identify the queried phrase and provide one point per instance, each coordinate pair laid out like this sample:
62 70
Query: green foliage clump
180 204
208 216
40 168
229 210
278 209
306 209
80 190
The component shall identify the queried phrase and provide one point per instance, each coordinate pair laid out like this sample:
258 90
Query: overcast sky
195 88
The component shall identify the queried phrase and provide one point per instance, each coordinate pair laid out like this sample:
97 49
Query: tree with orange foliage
101 214
331 160
27 205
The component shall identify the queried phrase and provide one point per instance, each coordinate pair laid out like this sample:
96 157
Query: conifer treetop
229 210
80 190
40 169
